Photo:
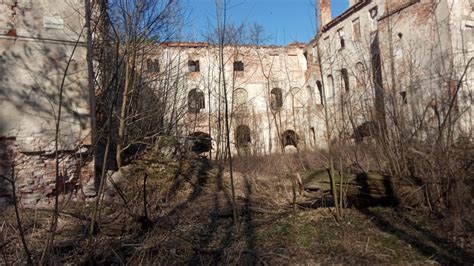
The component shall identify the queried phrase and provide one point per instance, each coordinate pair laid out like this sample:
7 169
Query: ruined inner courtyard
178 132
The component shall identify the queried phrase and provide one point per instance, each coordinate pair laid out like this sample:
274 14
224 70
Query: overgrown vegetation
383 193
189 220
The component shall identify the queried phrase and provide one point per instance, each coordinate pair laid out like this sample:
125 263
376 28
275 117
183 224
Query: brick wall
35 175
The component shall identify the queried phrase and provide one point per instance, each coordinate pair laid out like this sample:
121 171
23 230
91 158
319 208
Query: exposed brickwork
35 174
324 12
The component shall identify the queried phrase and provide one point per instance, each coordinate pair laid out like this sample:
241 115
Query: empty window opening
356 35
403 94
373 12
320 90
400 35
240 99
238 66
313 134
340 33
345 79
289 137
242 136
193 65
196 101
306 58
276 99
153 65
469 32
331 85
360 69
199 142
315 54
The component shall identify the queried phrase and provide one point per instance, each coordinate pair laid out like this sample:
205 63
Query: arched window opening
242 136
199 142
196 101
240 99
345 79
331 85
276 99
289 137
320 90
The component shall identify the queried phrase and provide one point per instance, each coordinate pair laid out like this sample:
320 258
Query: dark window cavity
345 79
196 101
193 65
242 136
276 99
238 66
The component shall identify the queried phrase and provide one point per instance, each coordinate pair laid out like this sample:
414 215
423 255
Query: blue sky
285 20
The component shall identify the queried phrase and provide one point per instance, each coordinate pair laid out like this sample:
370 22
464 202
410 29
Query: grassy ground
189 206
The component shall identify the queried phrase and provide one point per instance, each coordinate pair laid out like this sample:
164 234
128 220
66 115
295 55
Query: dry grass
191 223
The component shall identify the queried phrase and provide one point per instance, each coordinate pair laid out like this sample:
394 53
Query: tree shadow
201 179
251 257
424 241
218 220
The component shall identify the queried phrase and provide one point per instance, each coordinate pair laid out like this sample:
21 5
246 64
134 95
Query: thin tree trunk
226 108
54 221
17 215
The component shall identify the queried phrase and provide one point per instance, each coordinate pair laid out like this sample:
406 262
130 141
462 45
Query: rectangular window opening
340 33
238 66
356 34
193 65
153 65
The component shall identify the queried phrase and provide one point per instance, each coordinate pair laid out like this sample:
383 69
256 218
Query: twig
18 220
367 245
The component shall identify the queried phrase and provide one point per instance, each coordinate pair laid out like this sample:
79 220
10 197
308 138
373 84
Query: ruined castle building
378 60
271 105
399 58
42 42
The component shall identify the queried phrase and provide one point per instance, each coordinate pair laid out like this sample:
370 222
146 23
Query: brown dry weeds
190 222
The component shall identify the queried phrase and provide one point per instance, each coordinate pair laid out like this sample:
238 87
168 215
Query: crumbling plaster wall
420 46
425 59
265 68
348 108
461 21
37 40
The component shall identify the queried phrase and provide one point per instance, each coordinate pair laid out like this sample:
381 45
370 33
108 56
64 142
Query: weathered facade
378 65
396 62
270 103
43 52
387 63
